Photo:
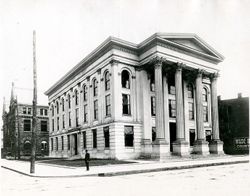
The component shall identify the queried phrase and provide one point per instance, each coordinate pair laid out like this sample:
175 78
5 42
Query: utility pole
34 121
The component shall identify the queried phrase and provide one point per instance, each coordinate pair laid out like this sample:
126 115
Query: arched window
125 79
95 87
62 104
44 145
69 101
52 110
27 145
190 91
85 93
76 97
57 107
204 95
107 81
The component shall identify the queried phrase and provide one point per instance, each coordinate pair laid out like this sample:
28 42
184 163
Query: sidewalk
44 170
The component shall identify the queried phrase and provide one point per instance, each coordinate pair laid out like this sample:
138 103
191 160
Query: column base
146 148
161 149
216 147
181 148
201 147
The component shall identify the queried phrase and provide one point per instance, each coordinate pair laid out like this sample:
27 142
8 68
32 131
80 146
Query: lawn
81 162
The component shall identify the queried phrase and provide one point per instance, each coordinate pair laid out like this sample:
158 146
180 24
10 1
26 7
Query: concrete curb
168 168
130 172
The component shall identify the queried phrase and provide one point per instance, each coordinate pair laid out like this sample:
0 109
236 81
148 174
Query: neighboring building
17 129
128 100
234 124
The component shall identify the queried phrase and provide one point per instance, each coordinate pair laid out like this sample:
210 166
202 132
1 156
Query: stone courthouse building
127 100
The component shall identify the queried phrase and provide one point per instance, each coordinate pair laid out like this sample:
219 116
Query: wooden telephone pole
34 119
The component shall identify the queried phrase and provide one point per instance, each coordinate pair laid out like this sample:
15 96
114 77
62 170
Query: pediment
192 42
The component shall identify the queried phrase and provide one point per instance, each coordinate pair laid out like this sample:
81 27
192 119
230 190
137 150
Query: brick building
127 100
234 124
17 129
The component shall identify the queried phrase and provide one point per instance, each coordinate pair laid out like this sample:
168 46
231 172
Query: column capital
114 62
157 61
200 72
214 76
180 66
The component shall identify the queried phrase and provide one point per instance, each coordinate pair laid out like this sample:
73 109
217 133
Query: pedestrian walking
87 158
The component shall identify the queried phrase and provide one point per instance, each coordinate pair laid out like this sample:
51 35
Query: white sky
68 30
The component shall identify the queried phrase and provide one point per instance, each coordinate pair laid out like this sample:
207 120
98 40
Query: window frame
128 104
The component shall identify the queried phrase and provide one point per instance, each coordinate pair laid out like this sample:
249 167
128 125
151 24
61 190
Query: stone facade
126 100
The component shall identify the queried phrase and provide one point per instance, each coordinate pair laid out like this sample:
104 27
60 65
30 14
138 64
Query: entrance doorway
75 144
191 137
172 127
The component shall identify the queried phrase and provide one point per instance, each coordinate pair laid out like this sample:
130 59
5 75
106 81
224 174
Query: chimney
219 98
239 95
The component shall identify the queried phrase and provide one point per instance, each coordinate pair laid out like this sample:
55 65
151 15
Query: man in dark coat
87 158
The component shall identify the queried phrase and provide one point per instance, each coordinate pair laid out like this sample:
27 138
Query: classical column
200 145
160 148
216 146
180 146
179 104
159 121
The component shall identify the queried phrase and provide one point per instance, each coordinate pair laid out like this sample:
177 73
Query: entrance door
75 144
172 127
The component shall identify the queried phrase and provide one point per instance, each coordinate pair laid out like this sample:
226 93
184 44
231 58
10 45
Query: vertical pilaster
216 146
200 145
116 92
180 146
146 115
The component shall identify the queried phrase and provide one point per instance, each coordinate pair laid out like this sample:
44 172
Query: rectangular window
52 144
172 108
95 110
205 113
126 104
84 140
108 105
172 90
53 125
77 117
85 117
62 142
56 143
68 140
106 136
191 111
153 106
45 112
24 110
94 138
63 121
69 119
153 134
129 136
41 112
44 126
57 123
29 110
27 125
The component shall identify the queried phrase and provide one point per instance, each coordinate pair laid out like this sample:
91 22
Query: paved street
217 180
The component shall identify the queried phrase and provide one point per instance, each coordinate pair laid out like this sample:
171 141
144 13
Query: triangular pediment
192 42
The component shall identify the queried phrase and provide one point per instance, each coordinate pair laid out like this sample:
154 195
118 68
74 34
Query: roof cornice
111 42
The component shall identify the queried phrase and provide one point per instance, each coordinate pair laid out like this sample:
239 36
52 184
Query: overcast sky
69 30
